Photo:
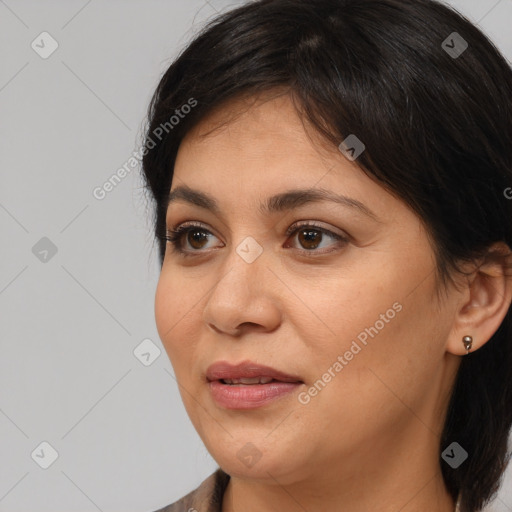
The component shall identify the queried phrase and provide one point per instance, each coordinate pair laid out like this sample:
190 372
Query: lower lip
239 396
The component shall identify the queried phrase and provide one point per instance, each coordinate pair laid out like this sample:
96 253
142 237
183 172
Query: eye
310 236
195 234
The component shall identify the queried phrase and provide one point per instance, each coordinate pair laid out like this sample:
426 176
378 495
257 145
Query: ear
484 300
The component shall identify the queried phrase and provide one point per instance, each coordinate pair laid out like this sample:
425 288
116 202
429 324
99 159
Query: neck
243 496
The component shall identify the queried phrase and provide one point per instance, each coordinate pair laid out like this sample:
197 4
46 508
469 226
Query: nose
244 298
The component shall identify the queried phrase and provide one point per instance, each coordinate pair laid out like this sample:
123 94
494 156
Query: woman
332 188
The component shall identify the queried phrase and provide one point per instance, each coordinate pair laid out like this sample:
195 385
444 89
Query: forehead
256 137
252 148
249 122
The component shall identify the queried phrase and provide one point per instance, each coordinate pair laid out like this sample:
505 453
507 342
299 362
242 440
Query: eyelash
174 237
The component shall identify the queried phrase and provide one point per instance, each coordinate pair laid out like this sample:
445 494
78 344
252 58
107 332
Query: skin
369 440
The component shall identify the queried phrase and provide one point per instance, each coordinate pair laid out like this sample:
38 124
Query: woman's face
355 319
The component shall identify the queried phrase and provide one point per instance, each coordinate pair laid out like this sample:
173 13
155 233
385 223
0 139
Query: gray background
70 321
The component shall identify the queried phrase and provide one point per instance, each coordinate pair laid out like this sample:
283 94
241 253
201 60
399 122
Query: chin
259 460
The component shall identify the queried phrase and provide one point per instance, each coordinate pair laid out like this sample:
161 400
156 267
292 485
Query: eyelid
314 224
174 236
296 225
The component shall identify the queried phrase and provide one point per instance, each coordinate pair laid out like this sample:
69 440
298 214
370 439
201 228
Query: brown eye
196 237
310 237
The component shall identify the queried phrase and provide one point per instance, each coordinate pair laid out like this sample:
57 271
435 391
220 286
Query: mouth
247 373
248 385
248 382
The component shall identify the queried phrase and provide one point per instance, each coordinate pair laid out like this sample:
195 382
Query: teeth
253 380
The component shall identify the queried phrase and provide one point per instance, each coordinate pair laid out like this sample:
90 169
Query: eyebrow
288 200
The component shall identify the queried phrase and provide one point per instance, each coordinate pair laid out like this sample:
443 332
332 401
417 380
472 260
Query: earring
468 341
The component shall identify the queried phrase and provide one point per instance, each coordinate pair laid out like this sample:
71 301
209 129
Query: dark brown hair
437 127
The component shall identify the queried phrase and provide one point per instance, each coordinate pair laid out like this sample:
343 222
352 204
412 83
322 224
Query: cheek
334 312
362 387
393 372
164 306
370 326
172 311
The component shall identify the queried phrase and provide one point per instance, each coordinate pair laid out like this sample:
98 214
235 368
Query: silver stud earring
468 341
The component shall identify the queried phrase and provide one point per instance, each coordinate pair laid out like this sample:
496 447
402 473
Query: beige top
208 496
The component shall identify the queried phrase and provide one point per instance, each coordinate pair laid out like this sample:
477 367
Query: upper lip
246 369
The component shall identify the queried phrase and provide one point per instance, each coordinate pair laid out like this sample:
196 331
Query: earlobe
487 299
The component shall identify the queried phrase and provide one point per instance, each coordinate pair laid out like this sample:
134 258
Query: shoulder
206 498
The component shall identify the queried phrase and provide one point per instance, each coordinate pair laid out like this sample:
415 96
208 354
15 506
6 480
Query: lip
251 396
246 369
